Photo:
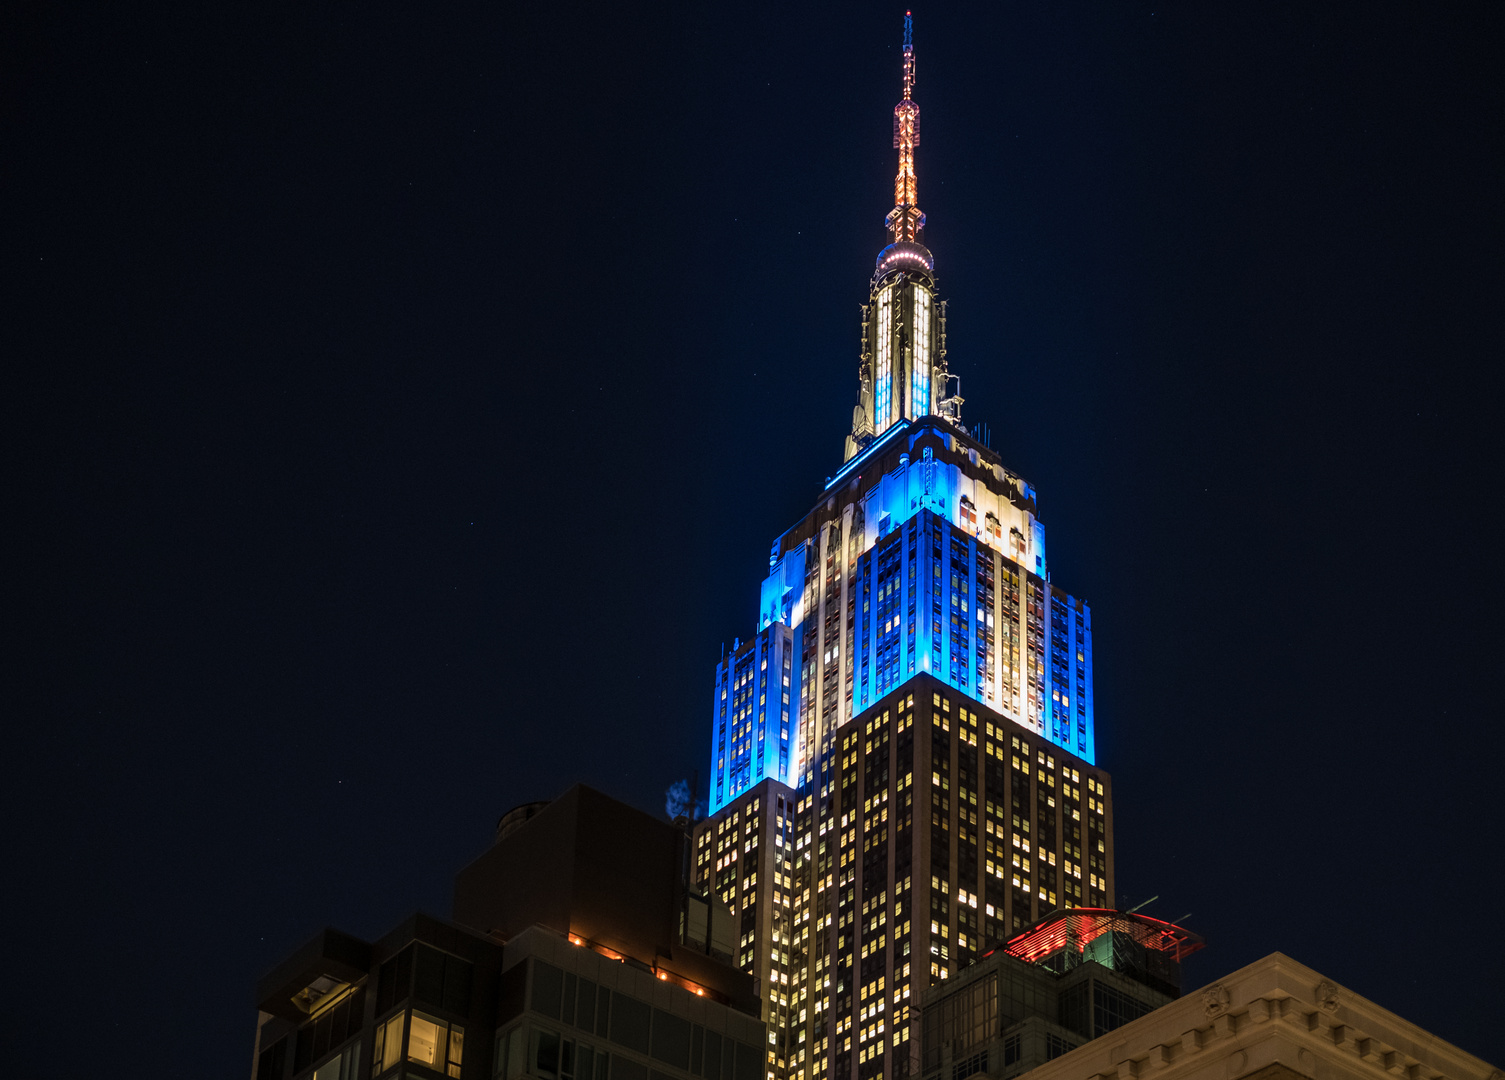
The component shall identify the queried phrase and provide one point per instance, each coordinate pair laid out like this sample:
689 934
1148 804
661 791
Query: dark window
629 1024
395 982
603 1010
1010 1051
428 975
548 984
272 1062
1073 1010
623 1068
1112 1009
510 993
749 1063
317 1037
585 1017
712 1069
441 979
1055 1046
545 1053
671 1039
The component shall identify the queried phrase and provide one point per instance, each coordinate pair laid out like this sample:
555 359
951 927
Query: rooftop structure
610 876
1148 950
577 953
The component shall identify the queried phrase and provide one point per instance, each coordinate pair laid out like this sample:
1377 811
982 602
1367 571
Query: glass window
545 1053
585 1017
711 1068
749 1062
342 1067
433 1042
548 986
424 1040
603 1010
515 1058
630 1022
456 1049
271 1063
671 1039
387 1050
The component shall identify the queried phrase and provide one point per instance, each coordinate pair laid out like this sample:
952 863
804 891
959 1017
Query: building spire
905 220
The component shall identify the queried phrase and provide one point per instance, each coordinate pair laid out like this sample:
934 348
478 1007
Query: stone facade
1273 1020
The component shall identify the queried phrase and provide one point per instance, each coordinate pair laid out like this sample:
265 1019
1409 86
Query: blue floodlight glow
872 448
970 616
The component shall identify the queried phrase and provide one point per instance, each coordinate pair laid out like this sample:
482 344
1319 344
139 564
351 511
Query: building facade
576 952
1275 1019
1071 978
903 769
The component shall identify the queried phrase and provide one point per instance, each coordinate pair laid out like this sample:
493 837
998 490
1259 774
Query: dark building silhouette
576 953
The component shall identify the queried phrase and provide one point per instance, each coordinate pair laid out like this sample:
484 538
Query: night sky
401 402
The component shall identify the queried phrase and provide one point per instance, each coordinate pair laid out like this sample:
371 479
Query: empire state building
903 765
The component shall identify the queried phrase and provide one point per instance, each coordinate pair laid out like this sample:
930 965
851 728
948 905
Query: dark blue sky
402 399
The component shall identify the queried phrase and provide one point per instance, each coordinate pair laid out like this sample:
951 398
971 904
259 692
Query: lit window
436 1043
388 1047
341 1067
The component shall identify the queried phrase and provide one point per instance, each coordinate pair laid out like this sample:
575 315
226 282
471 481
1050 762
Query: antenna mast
905 220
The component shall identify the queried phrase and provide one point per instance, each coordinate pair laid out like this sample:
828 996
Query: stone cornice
1275 1011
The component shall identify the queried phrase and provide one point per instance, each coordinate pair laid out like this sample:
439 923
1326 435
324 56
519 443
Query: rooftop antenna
905 220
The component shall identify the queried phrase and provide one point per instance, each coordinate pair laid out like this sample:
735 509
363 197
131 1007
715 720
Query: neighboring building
568 1012
1066 981
612 876
424 996
1273 1020
903 767
577 953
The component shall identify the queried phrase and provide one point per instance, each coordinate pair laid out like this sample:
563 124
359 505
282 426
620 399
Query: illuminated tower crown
903 373
903 765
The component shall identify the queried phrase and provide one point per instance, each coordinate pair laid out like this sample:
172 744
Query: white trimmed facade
1273 1020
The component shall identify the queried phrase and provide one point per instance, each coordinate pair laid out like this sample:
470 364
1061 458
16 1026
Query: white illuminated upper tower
903 373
